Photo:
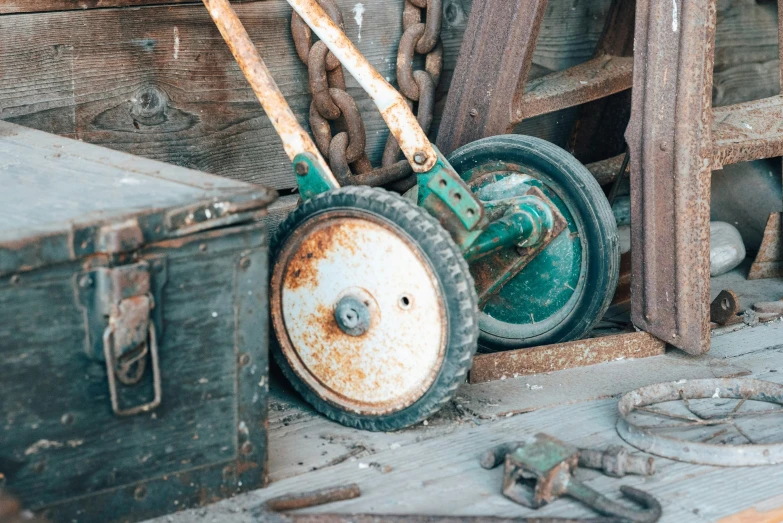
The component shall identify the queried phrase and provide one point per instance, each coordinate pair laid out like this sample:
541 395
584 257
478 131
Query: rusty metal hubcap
359 311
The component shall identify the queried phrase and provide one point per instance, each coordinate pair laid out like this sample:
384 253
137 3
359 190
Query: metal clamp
112 372
540 469
123 319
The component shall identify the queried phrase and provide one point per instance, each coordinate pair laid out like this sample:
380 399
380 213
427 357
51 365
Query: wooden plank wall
158 81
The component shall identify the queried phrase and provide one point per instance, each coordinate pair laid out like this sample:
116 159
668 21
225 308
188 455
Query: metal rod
314 498
295 138
392 105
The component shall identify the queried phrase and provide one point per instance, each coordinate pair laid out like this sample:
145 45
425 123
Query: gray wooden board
433 469
91 183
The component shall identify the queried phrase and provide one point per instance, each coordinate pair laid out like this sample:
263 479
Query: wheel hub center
352 316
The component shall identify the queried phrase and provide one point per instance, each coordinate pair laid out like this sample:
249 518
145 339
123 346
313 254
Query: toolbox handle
108 351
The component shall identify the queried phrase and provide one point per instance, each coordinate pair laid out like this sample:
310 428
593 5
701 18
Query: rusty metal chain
335 120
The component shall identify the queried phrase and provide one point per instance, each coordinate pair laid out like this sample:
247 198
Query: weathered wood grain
746 52
159 82
42 6
117 77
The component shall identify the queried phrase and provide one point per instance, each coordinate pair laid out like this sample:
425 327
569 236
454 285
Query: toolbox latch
119 305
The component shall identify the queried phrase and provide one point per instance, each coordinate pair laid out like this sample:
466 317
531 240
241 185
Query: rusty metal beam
769 260
491 71
747 131
559 356
669 141
597 78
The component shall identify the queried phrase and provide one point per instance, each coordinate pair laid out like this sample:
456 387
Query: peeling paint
176 42
358 15
44 444
674 16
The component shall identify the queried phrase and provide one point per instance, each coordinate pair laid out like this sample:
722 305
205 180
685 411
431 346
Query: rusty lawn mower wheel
565 290
373 306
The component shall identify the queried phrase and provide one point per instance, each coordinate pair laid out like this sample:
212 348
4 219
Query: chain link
333 109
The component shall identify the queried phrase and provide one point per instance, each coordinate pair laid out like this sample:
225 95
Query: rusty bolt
66 418
419 158
203 247
616 462
247 448
473 113
663 146
85 281
228 472
302 168
15 279
244 359
140 492
244 263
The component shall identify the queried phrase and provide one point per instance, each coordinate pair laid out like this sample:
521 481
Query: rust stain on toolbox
559 356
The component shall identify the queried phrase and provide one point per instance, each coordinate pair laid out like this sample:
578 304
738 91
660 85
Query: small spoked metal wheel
373 306
566 288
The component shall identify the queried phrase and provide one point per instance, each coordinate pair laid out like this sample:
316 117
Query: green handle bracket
310 177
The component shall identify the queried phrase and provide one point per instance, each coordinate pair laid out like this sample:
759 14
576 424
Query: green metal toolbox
133 331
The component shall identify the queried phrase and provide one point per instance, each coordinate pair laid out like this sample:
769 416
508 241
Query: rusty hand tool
540 469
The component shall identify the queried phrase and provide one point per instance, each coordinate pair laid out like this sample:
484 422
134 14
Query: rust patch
244 466
302 269
336 355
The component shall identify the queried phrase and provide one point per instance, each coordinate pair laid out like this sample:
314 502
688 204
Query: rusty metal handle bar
295 139
395 111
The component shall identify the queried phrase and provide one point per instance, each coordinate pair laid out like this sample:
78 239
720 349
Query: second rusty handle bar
394 109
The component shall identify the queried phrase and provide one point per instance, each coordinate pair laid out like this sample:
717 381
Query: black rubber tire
578 188
456 285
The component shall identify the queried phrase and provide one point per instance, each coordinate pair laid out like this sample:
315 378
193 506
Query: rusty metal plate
391 365
559 356
747 131
669 142
769 260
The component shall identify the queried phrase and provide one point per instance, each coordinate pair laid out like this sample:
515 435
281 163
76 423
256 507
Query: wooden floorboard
434 469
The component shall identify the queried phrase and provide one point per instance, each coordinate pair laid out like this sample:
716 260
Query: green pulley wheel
373 306
567 287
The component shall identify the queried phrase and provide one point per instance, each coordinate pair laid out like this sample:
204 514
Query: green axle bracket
446 196
512 241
